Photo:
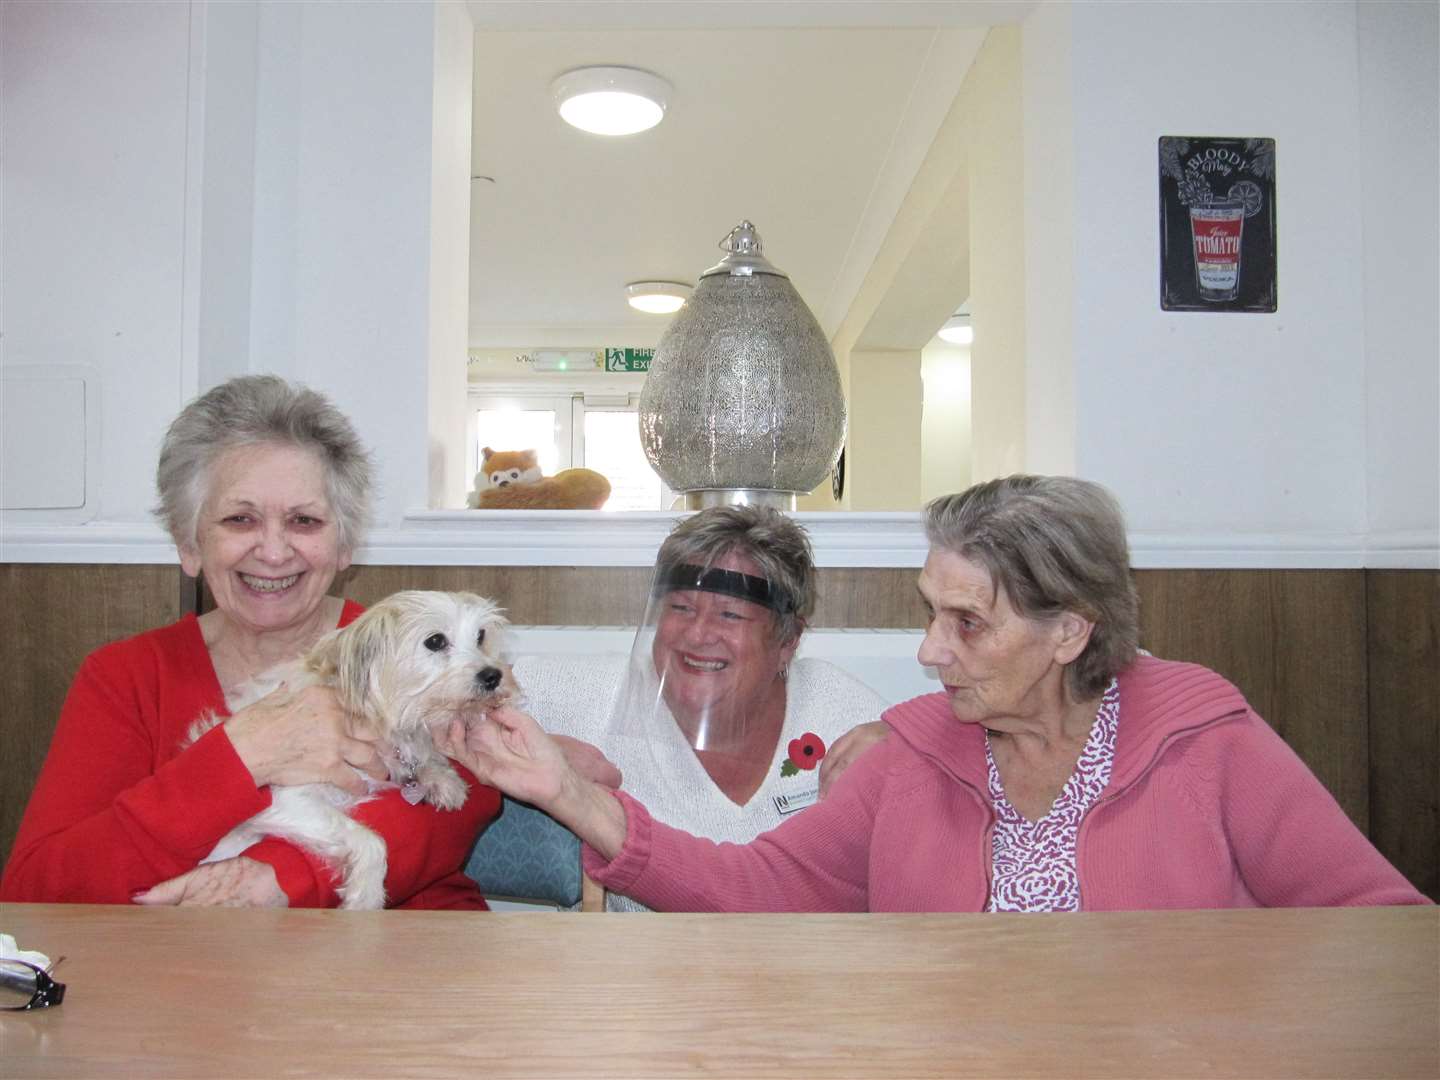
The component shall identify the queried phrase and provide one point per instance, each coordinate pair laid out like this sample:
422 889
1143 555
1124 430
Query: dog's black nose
489 677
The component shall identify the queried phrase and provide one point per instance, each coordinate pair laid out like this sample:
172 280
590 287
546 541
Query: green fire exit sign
628 359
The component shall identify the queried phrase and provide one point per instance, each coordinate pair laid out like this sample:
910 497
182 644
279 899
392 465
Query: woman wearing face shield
713 722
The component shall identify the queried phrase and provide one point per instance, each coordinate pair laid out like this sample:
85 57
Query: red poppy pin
805 753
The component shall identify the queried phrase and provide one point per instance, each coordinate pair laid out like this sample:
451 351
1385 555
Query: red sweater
1206 808
119 807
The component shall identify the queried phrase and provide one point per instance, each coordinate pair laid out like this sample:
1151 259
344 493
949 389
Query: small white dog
403 670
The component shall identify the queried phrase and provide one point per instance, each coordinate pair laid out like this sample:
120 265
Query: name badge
788 804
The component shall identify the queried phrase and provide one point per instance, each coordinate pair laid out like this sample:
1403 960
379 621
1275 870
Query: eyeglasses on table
25 986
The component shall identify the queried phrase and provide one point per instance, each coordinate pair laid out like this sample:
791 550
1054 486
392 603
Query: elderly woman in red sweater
1058 771
264 487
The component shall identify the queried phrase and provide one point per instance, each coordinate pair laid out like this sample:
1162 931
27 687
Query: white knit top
576 696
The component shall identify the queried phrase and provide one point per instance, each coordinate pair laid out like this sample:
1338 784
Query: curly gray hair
778 546
256 410
1054 544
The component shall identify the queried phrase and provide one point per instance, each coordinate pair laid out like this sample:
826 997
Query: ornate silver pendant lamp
743 403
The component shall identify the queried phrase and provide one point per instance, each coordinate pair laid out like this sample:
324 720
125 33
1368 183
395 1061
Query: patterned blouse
1034 864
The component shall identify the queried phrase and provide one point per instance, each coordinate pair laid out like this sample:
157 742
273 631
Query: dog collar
410 789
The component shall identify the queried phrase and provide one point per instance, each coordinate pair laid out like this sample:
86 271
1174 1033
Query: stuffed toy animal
511 480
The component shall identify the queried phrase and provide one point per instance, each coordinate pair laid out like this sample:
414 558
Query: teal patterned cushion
527 854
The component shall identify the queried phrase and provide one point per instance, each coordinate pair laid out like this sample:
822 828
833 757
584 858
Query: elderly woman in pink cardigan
1060 770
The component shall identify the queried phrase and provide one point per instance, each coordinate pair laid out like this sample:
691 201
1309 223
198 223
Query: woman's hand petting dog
237 882
509 750
303 738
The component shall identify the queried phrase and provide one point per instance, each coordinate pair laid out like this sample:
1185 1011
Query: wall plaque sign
1217 224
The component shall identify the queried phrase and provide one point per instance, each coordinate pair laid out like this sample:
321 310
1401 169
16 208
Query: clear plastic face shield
706 678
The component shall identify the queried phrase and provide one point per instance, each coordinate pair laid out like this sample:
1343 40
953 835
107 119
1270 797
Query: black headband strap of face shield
726 582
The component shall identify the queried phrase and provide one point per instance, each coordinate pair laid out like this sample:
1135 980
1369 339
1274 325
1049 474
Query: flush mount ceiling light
957 329
657 297
611 100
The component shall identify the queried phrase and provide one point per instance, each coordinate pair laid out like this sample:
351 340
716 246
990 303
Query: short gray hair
260 410
778 546
1054 544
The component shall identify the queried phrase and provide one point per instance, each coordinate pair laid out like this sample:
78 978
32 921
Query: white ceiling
809 119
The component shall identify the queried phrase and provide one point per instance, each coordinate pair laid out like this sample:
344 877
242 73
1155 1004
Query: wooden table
196 992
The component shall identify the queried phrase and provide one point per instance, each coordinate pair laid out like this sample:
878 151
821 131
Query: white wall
1047 103
361 214
945 462
343 222
221 192
449 234
194 191
885 393
1399 149
995 160
94 197
1295 436
1231 424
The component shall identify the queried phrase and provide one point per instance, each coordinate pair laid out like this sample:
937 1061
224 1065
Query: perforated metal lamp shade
743 401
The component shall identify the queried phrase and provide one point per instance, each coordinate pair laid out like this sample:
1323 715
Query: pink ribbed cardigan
1206 808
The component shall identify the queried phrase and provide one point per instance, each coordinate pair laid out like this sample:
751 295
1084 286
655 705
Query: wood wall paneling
51 617
1404 710
1293 641
1220 620
1320 693
615 596
530 595
873 597
1343 663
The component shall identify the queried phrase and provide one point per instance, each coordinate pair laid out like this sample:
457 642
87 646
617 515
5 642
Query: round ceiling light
611 100
657 297
957 330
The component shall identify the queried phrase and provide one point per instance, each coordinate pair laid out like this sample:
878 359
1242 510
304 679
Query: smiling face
266 539
998 666
717 655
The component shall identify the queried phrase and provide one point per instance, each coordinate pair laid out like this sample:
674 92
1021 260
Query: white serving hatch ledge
597 538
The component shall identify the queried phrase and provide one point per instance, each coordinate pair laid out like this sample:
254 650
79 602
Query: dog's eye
437 642
480 639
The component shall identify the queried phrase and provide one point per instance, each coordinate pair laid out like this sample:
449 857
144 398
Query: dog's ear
353 659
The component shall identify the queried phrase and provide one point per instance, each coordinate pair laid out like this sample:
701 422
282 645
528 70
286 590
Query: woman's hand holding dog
303 738
237 882
508 750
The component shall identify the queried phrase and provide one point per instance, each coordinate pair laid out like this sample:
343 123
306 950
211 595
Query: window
611 439
521 426
571 429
